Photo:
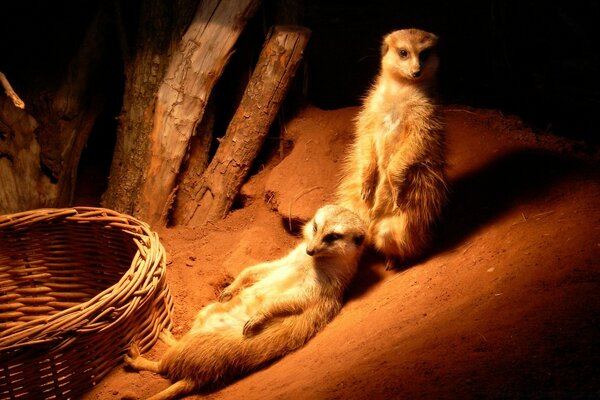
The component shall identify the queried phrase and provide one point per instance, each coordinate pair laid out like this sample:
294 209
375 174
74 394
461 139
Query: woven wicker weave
76 286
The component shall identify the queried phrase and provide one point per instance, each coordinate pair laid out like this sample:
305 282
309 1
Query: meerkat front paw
225 295
366 193
253 325
368 188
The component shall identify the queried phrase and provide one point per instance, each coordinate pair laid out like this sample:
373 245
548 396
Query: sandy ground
506 304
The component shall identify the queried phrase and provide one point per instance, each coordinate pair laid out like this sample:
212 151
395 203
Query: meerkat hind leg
392 237
167 338
135 361
140 363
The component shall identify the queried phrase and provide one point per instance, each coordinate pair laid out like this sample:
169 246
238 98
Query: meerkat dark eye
424 55
359 239
403 53
331 237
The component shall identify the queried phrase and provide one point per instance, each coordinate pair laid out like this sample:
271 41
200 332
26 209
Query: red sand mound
506 305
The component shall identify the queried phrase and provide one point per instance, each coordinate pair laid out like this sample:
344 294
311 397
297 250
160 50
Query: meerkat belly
388 138
234 314
289 285
283 283
221 316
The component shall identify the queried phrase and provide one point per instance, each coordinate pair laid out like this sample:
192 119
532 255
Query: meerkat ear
384 48
434 39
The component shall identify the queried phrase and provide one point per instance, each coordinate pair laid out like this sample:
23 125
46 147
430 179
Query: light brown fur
394 176
269 310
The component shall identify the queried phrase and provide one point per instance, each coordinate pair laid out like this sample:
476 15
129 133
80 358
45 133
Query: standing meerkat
394 176
269 310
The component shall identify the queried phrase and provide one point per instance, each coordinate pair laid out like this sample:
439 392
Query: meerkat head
410 55
334 231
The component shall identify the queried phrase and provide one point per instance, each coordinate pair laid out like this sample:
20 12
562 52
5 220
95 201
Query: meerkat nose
310 251
416 74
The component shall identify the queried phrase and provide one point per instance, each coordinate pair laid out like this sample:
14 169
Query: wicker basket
77 285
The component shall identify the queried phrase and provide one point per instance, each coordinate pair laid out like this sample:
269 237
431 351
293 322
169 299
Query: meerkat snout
317 246
333 231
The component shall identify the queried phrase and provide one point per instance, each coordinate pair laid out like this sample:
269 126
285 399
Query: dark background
537 60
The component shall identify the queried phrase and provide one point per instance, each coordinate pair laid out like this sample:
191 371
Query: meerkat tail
176 390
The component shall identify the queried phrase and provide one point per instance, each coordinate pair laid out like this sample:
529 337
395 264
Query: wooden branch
198 157
11 93
248 129
193 71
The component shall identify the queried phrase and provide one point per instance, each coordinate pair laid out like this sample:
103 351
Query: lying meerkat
394 176
269 310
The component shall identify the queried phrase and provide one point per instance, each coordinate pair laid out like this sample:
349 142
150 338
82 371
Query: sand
505 305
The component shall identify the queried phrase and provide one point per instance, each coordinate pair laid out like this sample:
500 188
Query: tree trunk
195 66
161 25
245 135
23 182
41 145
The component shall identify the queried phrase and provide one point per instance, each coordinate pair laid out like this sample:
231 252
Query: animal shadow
477 199
480 197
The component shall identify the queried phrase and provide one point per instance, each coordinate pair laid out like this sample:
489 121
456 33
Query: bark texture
197 62
218 186
161 25
40 145
197 159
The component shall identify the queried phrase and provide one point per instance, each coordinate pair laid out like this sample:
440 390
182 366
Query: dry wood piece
197 62
40 147
245 135
11 93
161 27
198 157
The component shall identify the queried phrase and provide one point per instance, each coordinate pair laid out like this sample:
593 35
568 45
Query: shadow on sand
477 199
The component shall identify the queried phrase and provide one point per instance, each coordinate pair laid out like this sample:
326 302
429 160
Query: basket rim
146 268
